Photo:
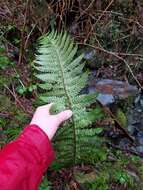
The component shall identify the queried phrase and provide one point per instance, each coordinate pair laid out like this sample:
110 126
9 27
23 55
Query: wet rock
139 149
125 143
132 130
105 99
115 137
135 123
110 90
139 138
132 116
111 134
135 114
116 88
89 54
139 102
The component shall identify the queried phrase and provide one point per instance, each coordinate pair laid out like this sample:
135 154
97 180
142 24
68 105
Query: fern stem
69 102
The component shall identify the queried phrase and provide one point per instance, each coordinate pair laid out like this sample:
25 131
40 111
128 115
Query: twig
115 54
16 99
84 11
130 54
6 115
98 19
26 41
22 34
123 149
108 112
104 12
120 16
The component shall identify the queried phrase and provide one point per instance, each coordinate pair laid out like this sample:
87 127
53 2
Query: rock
110 90
139 102
135 122
139 138
132 129
132 116
114 136
105 99
89 54
139 149
125 143
116 88
135 114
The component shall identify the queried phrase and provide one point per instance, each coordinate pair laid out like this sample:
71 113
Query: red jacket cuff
36 137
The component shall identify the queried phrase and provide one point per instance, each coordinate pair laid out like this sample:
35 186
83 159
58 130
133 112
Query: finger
47 107
64 115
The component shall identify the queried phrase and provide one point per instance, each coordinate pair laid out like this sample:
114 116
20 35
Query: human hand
47 122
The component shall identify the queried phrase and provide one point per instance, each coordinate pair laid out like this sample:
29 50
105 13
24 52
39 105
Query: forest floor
110 34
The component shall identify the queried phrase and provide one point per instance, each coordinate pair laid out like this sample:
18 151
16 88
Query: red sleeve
23 161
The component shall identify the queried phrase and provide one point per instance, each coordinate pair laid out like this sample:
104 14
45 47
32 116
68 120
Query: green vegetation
121 117
107 173
4 61
45 185
62 76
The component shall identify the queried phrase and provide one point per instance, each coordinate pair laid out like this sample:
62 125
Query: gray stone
139 138
110 90
124 143
139 149
105 99
89 54
131 129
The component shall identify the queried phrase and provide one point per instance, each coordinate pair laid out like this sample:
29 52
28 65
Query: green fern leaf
62 76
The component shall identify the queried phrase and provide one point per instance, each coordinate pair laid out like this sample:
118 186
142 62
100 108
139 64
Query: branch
115 54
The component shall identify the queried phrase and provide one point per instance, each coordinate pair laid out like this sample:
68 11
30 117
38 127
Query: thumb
64 115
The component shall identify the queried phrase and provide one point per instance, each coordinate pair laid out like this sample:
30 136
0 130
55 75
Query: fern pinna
61 72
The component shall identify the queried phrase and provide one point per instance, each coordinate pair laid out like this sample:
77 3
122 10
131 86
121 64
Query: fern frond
61 72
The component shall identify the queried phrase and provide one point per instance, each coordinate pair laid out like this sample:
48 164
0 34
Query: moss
112 173
121 117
